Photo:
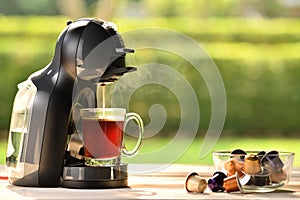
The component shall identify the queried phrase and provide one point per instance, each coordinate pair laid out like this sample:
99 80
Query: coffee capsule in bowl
232 166
272 161
275 165
252 165
238 154
262 178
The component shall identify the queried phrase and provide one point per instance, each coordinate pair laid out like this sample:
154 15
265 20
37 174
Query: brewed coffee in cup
103 131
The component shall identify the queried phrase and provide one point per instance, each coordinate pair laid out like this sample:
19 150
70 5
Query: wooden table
165 184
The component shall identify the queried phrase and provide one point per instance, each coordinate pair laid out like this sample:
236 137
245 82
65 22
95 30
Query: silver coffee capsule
194 183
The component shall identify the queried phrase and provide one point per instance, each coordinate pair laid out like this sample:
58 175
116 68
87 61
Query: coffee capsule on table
215 183
230 184
194 183
235 182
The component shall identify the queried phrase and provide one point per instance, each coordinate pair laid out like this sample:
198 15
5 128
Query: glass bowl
256 171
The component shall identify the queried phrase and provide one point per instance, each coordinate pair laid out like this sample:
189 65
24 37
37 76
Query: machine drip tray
114 176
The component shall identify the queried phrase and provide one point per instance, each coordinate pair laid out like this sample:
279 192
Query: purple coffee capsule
215 183
272 161
238 154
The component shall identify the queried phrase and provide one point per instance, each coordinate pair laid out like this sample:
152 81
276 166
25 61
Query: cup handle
139 121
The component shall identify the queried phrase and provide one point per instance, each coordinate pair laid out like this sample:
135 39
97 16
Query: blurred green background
255 45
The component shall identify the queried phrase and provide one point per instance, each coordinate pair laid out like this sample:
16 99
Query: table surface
168 183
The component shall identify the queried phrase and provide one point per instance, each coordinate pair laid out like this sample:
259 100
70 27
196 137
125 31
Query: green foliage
258 60
249 30
20 7
216 8
26 45
166 8
41 26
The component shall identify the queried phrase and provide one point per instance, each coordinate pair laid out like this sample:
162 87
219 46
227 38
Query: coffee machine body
88 52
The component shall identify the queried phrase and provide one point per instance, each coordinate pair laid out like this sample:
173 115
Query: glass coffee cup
103 135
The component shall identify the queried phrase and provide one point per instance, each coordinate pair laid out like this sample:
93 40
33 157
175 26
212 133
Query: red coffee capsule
230 184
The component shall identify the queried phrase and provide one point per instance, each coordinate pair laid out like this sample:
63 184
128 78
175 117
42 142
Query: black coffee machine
44 124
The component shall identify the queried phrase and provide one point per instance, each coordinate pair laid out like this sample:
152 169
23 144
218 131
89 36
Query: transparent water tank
19 126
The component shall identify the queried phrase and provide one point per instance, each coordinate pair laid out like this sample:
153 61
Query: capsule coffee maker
44 123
